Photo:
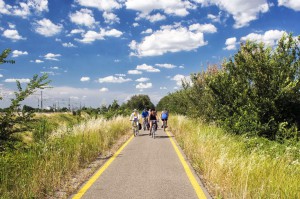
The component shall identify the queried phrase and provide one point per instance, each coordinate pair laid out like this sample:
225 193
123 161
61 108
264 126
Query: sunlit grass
239 167
38 171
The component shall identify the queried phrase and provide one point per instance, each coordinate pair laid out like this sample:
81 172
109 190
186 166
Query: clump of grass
37 171
239 167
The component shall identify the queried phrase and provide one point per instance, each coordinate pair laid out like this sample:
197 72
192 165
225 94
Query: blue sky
99 50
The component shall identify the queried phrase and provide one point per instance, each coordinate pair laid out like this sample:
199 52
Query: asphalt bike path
145 168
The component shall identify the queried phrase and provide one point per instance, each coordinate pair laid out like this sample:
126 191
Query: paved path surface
145 168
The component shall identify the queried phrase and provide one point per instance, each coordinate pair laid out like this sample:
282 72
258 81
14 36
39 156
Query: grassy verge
37 171
239 167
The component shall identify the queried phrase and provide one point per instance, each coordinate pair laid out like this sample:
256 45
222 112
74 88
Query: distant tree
114 106
64 109
28 108
139 102
103 109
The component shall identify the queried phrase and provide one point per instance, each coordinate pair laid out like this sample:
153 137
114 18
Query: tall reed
239 167
39 170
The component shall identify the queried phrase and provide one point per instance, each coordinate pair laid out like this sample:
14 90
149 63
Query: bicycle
145 124
164 124
154 128
135 127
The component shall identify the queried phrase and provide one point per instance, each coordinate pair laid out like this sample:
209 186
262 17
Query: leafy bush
256 92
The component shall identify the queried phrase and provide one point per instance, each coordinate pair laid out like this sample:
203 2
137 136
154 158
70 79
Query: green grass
37 171
239 167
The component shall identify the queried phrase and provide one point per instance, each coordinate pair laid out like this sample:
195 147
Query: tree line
254 92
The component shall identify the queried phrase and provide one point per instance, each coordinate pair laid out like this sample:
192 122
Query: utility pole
69 104
39 104
42 100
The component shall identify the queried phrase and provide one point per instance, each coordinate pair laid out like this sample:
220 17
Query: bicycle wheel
154 131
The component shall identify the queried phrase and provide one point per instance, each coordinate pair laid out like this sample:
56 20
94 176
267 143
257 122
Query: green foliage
12 120
114 106
42 168
256 92
28 108
139 102
4 55
239 166
174 102
42 131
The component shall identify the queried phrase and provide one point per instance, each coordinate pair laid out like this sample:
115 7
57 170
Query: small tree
12 120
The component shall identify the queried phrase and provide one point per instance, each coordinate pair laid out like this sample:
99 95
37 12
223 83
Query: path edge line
92 180
200 193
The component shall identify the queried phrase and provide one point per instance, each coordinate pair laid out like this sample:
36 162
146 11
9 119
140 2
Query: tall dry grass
239 167
38 171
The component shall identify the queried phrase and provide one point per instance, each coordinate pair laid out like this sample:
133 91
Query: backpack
164 116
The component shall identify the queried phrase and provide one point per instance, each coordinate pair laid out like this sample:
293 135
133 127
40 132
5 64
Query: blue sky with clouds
99 50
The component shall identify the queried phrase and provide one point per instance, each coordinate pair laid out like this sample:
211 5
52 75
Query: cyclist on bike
145 115
152 117
164 117
135 117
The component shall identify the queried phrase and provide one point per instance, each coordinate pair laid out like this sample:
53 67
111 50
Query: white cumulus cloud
46 28
83 17
134 72
242 11
110 18
270 37
13 80
91 36
103 5
147 68
165 65
103 89
17 53
292 4
230 43
113 79
24 9
13 35
204 28
76 31
85 79
68 45
148 31
38 61
51 56
179 78
170 7
142 79
39 5
144 85
169 39
152 18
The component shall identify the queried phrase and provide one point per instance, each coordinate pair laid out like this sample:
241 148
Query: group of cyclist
149 117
